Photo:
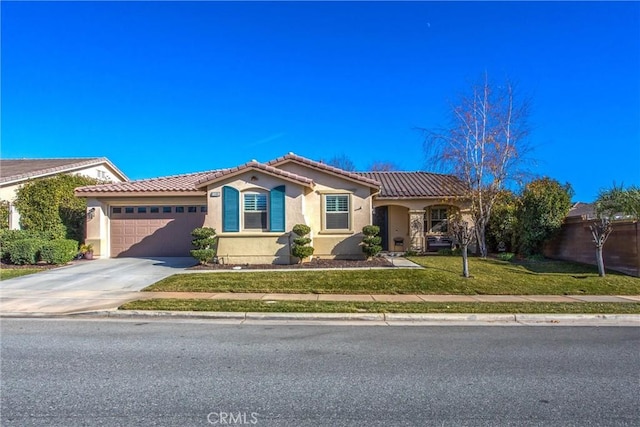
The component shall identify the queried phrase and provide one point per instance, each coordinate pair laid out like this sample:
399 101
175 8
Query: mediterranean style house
254 206
16 172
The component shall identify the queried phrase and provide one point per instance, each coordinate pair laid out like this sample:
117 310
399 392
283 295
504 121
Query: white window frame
326 212
244 210
431 222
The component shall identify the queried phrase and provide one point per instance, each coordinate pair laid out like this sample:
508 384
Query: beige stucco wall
303 205
294 198
398 226
330 243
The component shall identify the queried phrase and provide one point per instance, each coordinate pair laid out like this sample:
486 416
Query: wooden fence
575 243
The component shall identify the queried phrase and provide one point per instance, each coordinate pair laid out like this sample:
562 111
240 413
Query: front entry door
381 219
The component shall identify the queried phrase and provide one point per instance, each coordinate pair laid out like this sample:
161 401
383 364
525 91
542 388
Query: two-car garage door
148 231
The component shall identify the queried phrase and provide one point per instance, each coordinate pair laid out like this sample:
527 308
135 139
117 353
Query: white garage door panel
144 235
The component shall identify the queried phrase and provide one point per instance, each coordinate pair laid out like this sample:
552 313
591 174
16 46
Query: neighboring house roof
225 173
353 176
583 210
16 170
399 185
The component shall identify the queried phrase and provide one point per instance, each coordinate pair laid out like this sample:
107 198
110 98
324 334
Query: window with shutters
336 208
255 211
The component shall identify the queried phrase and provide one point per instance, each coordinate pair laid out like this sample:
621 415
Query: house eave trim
102 194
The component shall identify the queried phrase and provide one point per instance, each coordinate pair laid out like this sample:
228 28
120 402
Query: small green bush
205 241
301 229
371 241
25 251
203 255
506 256
299 249
59 251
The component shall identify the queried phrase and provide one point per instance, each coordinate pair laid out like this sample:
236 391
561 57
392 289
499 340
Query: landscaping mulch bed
315 263
39 266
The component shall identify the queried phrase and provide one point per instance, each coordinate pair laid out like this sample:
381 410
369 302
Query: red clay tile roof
326 168
402 185
22 169
255 165
174 183
392 184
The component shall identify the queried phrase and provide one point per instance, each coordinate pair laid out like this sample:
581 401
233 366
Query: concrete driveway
86 285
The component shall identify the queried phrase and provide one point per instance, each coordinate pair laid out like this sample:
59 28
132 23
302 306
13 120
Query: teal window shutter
230 209
277 211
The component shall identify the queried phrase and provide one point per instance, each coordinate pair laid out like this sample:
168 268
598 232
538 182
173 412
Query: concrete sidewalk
389 298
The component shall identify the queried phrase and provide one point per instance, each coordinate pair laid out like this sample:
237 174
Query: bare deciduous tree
610 203
463 233
485 146
342 162
383 166
600 230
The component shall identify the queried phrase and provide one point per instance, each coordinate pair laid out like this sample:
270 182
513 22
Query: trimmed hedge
25 251
59 251
9 236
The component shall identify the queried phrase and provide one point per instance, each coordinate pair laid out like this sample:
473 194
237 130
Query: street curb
405 318
548 318
449 317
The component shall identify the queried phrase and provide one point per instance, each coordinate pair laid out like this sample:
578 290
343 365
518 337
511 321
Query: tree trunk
482 242
465 261
600 261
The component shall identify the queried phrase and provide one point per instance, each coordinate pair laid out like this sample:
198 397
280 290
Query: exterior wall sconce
254 178
91 213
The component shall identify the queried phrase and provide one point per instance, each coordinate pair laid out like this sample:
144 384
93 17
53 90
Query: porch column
416 229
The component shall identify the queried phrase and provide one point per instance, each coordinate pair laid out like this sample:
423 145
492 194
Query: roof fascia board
101 194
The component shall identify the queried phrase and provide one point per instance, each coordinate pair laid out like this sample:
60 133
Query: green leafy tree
612 202
4 215
544 205
371 241
503 224
50 205
617 200
300 248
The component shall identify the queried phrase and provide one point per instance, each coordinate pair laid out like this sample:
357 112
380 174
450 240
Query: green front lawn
441 275
378 307
10 273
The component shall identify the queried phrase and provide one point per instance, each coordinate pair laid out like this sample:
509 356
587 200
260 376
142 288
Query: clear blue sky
162 88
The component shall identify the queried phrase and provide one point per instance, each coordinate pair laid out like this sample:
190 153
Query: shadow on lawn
576 270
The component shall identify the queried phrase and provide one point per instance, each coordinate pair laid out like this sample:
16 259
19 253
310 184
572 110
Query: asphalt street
64 372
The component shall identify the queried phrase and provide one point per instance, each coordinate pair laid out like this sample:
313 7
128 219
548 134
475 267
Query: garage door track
84 286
